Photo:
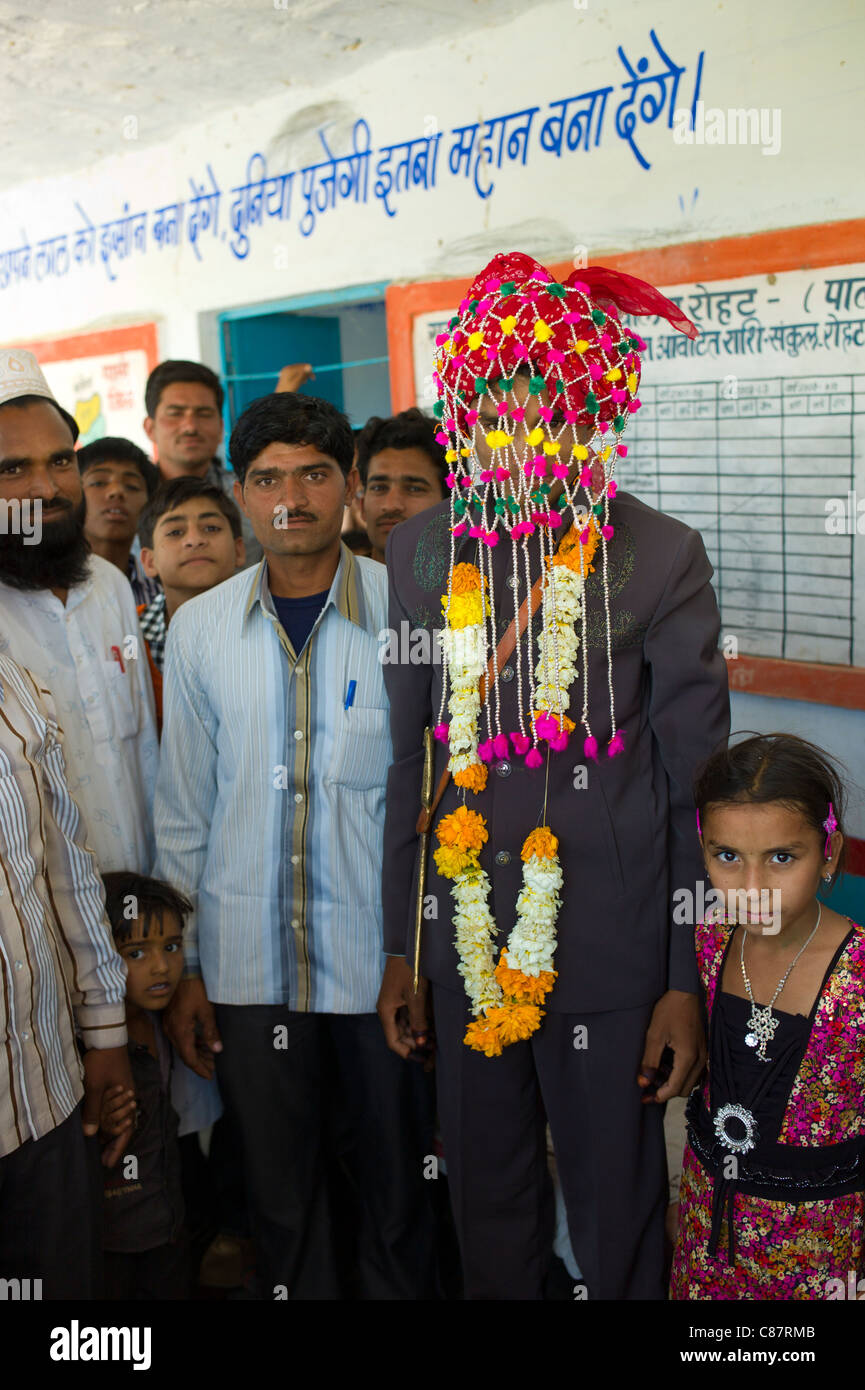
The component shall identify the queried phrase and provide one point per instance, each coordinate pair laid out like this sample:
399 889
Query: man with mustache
69 616
270 815
402 469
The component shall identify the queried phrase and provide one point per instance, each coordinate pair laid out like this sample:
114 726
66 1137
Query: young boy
144 1241
191 540
118 480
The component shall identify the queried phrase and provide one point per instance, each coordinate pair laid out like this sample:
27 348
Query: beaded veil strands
567 341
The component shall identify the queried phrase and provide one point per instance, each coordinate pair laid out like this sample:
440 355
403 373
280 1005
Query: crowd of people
234 1009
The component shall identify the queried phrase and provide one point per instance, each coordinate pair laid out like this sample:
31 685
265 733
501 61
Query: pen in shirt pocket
349 695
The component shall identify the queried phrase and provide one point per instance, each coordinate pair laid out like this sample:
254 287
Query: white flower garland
532 943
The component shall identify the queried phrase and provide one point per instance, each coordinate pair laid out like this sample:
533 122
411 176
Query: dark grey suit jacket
628 839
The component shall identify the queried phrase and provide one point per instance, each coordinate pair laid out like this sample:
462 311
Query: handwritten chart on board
754 433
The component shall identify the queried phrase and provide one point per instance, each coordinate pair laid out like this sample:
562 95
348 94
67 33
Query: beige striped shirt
58 965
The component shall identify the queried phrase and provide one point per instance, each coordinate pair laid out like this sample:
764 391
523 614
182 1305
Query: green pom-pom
499 507
598 509
557 290
599 317
461 395
544 489
439 409
592 403
481 384
452 323
460 506
622 348
473 304
562 502
536 385
506 288
559 387
635 344
619 425
505 383
537 497
513 504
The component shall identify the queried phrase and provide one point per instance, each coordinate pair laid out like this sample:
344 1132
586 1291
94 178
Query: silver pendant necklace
762 1025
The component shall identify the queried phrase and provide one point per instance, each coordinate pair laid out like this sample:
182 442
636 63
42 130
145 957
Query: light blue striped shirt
270 799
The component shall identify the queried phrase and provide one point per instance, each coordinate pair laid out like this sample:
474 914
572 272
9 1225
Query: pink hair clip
830 825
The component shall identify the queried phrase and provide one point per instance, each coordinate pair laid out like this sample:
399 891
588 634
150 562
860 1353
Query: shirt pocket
120 709
361 752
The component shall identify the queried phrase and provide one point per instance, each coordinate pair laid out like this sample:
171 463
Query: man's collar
345 593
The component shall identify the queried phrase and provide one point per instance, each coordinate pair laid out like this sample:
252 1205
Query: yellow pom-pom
509 324
543 332
551 448
534 437
632 382
466 453
580 451
614 374
475 340
451 456
580 345
605 453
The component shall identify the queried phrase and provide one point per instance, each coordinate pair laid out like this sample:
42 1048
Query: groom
626 987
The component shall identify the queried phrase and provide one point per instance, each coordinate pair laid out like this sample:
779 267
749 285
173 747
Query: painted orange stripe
107 340
842 686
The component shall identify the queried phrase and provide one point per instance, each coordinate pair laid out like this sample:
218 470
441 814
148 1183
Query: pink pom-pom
634 405
613 486
471 417
554 355
521 743
482 307
502 474
586 478
607 533
560 742
491 538
545 412
590 747
622 450
458 530
596 371
441 732
492 284
546 726
519 414
519 350
451 479
554 519
571 318
603 426
485 751
616 744
441 338
441 437
533 758
464 304
582 287
584 536
459 360
475 532
561 470
571 416
450 425
486 475
500 745
606 342
502 407
539 467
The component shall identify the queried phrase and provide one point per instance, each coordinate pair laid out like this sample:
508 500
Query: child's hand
116 1121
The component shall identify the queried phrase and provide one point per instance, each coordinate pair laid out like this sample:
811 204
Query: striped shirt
58 965
89 653
270 799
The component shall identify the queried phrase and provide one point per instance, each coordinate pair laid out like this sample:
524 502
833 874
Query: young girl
772 1202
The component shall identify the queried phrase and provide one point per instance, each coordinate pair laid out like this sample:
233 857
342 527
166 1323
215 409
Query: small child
772 1201
143 1237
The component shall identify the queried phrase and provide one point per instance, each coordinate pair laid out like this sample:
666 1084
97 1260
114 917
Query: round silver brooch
742 1143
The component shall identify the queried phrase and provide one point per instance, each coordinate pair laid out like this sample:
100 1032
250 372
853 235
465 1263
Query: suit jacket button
503 769
507 673
503 857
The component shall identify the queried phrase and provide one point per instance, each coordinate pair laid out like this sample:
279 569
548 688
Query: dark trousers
609 1150
327 1088
160 1274
49 1211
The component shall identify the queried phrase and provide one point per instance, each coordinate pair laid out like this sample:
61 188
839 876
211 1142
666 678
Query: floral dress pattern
787 1250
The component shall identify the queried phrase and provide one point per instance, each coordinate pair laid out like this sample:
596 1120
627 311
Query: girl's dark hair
775 767
152 897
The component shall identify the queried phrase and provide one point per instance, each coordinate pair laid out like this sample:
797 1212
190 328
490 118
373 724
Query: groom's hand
675 1024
